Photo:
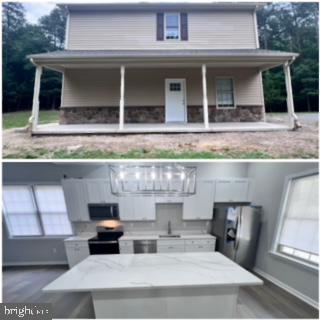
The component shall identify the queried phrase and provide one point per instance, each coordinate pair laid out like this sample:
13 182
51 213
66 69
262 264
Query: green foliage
134 154
292 27
21 39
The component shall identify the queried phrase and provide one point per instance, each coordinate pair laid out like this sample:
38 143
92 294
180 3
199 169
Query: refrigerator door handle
238 230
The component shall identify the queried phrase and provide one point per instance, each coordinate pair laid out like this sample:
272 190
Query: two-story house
161 67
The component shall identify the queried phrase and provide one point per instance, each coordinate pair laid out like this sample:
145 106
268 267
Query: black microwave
103 211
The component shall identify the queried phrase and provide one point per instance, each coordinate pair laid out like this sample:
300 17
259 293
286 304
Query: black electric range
106 242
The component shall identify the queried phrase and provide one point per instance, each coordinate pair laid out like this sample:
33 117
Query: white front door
176 100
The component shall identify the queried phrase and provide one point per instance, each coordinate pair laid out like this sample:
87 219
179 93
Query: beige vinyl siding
146 87
137 30
82 88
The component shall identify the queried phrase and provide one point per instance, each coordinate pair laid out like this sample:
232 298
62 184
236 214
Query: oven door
104 247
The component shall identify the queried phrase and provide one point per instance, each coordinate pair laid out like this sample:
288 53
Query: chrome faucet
169 227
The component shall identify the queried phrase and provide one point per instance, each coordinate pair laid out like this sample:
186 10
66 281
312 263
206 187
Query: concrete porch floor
75 129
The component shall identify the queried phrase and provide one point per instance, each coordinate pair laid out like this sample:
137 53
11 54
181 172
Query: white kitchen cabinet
99 191
144 208
200 245
232 190
138 208
172 245
126 246
173 199
200 205
76 197
76 251
126 208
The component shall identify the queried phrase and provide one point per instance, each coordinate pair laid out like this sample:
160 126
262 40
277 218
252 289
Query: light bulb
137 175
153 175
121 175
183 175
169 175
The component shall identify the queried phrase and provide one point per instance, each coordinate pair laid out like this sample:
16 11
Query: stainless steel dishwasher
145 246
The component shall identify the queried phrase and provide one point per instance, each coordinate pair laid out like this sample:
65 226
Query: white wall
269 183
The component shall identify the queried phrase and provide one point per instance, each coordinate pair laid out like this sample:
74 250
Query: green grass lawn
20 119
134 154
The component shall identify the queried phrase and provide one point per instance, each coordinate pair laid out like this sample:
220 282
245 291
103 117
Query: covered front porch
69 129
127 101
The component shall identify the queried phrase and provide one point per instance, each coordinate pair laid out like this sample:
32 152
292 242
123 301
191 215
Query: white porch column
35 103
121 105
205 97
293 119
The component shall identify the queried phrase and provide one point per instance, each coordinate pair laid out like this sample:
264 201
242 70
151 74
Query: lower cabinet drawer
199 248
200 242
170 248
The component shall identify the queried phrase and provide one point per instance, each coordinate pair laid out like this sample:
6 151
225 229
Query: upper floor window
35 210
225 93
297 236
172 26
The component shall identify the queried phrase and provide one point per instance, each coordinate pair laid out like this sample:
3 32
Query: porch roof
65 59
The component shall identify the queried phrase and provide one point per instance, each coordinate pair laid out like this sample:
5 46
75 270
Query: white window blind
35 210
20 211
299 231
225 94
172 25
53 211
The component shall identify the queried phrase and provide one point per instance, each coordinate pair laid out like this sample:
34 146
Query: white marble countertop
141 271
127 237
81 237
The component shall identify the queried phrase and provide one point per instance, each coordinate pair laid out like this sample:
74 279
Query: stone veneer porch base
156 114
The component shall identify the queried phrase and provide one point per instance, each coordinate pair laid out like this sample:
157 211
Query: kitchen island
171 285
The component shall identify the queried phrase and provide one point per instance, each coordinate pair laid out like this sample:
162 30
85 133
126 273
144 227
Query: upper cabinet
99 191
138 208
200 205
80 192
76 197
232 190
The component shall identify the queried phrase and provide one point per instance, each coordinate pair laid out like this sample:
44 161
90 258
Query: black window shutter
160 26
184 26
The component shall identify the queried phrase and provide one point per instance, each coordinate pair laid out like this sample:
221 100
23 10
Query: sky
36 9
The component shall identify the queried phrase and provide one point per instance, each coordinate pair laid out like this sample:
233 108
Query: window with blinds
299 230
38 210
225 93
172 26
53 211
20 211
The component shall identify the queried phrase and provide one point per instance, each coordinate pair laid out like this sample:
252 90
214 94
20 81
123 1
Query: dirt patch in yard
280 144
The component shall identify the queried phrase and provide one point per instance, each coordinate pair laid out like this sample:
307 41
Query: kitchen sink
169 236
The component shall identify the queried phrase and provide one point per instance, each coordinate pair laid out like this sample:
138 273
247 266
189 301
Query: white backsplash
164 212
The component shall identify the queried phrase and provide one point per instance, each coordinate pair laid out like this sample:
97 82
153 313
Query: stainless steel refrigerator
237 231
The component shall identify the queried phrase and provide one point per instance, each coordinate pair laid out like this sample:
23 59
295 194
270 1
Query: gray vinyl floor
23 284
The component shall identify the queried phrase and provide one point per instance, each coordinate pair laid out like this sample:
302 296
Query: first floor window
38 210
225 93
298 233
172 26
